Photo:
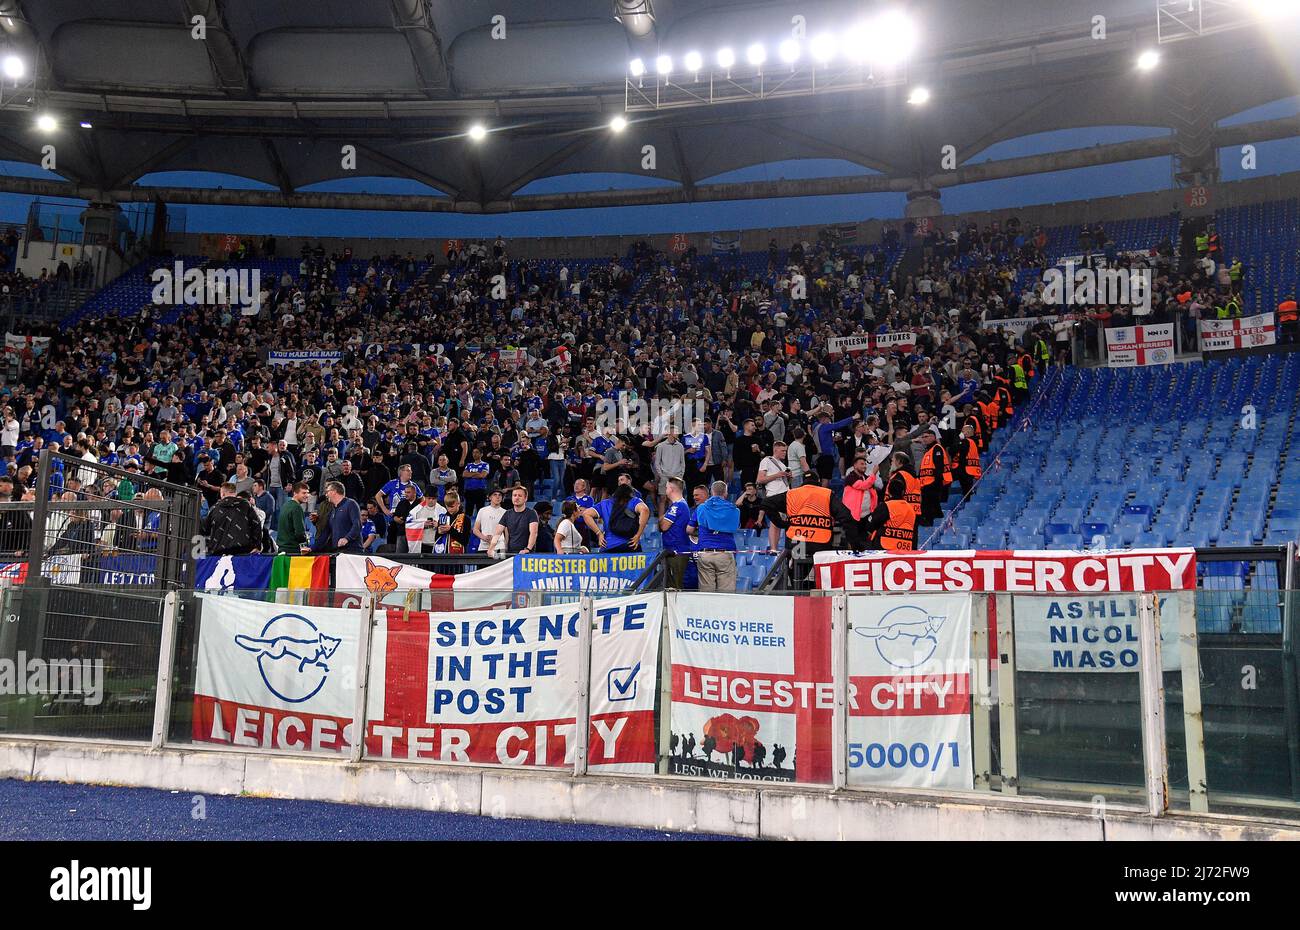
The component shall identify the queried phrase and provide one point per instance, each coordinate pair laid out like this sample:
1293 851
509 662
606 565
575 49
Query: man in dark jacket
231 526
342 532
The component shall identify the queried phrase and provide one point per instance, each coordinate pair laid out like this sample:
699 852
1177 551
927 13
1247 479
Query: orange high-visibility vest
972 459
929 475
900 530
990 411
809 510
912 492
1286 312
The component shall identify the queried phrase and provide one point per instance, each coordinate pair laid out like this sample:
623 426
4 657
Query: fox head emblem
380 579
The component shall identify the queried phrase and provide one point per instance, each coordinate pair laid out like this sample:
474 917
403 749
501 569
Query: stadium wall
1067 213
775 813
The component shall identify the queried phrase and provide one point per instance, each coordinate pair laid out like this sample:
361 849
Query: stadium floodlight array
868 54
1177 20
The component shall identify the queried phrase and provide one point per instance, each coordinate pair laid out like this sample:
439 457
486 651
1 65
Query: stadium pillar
1196 159
922 201
1155 753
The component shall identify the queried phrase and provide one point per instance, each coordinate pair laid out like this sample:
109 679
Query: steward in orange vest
969 469
892 525
1288 328
903 485
805 512
933 465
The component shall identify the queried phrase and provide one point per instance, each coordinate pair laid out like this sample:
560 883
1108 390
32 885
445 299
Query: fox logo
381 579
906 636
306 651
915 630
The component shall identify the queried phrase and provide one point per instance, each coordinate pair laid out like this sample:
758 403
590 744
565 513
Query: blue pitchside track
53 811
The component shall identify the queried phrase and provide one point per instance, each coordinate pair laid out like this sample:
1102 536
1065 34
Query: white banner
909 691
1244 333
725 243
1018 325
62 569
501 687
16 344
275 676
1138 346
752 687
324 359
871 343
1091 634
400 585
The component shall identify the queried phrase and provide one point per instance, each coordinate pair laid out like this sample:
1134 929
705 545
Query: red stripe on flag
812 662
406 675
319 594
444 600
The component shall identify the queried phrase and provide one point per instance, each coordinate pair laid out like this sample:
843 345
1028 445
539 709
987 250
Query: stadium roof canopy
278 87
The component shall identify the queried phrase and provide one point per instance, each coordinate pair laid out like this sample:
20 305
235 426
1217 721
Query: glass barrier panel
1077 698
78 662
1242 676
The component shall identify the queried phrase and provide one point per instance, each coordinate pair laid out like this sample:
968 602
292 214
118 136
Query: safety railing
1105 700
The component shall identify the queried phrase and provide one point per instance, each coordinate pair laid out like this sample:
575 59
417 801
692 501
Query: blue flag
233 573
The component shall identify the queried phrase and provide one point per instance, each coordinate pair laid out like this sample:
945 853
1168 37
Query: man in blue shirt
826 453
717 520
618 531
677 544
394 490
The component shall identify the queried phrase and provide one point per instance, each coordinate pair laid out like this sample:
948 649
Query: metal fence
81 662
96 525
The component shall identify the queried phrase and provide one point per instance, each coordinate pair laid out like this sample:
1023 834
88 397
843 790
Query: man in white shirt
9 433
774 478
486 523
422 525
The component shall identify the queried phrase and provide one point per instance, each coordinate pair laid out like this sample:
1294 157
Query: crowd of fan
446 395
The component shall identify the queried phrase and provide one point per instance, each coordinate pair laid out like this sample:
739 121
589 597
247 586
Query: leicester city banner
752 691
127 569
909 691
275 676
500 687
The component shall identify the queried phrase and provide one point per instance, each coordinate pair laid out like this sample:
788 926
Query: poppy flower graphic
727 730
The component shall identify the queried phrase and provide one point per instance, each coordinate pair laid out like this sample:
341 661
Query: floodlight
823 47
756 54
